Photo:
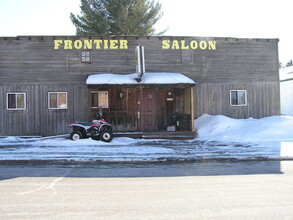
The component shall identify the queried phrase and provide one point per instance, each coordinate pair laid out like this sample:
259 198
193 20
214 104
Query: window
99 99
86 56
238 98
16 101
57 100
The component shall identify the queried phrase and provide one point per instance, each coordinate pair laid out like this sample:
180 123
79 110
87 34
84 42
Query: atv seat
84 123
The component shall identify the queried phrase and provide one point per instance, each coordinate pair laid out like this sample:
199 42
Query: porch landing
174 135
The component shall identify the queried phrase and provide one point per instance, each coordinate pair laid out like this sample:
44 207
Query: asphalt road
214 190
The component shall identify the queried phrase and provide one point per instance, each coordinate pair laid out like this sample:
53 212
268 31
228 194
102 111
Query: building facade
286 90
43 81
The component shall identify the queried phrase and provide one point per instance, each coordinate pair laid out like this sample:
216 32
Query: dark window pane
11 101
234 98
53 100
95 100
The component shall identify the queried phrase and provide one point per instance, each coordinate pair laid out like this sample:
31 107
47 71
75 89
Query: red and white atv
97 130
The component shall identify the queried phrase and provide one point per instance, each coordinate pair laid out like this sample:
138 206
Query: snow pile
10 140
222 128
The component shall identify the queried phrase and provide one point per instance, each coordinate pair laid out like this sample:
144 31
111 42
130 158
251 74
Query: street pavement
213 190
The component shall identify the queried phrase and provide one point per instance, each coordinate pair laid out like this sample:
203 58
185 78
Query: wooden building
46 81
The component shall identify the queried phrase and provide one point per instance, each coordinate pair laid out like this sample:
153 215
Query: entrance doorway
149 102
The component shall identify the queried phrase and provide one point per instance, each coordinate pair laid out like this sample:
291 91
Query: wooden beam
192 107
141 110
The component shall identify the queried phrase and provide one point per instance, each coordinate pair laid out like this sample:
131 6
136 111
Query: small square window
16 101
238 98
99 99
86 56
57 100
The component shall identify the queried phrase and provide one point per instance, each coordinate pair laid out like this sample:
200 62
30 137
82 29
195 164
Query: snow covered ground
222 128
219 137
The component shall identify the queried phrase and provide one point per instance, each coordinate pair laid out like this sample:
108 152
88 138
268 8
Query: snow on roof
148 78
286 73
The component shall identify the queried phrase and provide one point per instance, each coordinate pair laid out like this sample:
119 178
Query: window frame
83 56
245 97
49 106
99 92
16 108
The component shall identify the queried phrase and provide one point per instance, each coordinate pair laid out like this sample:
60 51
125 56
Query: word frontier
90 44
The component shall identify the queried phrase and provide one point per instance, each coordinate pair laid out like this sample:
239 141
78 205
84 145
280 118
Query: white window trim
239 90
15 93
57 100
95 107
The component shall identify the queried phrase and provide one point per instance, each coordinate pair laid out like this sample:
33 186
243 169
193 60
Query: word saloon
90 44
194 45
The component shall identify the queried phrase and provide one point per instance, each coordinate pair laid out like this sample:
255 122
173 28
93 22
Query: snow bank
216 128
222 128
119 141
219 137
9 139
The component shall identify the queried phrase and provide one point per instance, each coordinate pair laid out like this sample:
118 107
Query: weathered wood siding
34 60
31 65
262 99
37 119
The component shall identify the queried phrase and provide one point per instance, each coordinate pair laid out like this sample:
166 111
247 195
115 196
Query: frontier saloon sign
123 45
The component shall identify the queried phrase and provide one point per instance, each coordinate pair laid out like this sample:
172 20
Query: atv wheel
106 136
76 135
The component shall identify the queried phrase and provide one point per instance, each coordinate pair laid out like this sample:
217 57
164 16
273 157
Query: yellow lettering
77 44
193 44
113 44
106 46
57 44
166 44
203 45
67 44
123 44
98 44
212 45
88 44
175 45
91 44
183 45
